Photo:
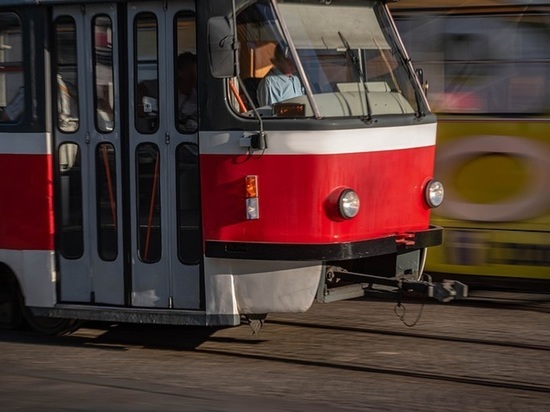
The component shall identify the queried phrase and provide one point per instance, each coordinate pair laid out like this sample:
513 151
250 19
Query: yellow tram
486 66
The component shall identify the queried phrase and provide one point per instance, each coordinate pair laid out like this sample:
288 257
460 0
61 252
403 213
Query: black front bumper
326 252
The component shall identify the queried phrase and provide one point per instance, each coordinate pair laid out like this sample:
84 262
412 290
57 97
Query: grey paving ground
344 356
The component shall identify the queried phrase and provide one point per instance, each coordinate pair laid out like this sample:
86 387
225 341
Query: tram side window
71 240
103 74
67 75
186 100
262 53
12 94
106 202
146 76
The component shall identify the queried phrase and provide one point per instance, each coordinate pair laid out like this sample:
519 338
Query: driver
280 83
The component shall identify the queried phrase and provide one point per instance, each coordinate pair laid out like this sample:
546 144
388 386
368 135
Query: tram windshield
335 58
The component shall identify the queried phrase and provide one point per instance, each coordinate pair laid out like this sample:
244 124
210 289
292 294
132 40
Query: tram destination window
103 74
146 76
67 75
107 242
12 92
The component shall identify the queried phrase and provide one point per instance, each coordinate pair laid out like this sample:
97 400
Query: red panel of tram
294 192
26 201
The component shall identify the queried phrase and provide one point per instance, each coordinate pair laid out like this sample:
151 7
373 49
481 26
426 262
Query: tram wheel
47 325
10 313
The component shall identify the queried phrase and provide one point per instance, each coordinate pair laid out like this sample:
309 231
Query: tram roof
435 4
65 2
39 2
395 4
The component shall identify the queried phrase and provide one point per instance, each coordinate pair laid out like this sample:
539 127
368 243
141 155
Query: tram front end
317 175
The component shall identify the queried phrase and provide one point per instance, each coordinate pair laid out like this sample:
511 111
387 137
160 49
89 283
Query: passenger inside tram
147 106
186 67
15 108
67 105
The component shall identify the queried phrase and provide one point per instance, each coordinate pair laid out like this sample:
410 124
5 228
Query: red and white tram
141 179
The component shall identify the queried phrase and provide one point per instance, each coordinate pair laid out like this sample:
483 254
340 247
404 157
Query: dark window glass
103 71
71 240
12 93
186 101
188 201
67 75
148 193
106 202
146 76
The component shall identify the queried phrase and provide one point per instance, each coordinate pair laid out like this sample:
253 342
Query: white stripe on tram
35 272
19 143
325 142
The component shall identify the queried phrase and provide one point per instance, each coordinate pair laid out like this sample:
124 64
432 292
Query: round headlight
348 204
434 193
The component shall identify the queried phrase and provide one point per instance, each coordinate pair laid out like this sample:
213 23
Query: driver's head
282 59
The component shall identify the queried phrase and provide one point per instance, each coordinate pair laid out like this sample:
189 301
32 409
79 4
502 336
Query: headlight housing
434 193
348 204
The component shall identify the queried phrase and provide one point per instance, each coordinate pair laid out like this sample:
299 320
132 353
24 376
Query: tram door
164 180
128 218
87 129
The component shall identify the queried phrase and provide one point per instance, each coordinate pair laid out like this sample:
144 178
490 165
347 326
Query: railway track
442 377
287 339
382 332
251 350
533 302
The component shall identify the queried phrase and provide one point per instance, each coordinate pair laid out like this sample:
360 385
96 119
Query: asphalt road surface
485 355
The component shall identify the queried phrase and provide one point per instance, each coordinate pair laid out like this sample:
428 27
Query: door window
146 66
71 239
103 74
149 208
106 202
188 195
186 100
67 75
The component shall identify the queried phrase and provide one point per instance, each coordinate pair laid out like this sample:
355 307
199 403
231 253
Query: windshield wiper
357 65
398 48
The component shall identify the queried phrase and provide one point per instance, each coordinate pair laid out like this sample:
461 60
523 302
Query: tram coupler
355 285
